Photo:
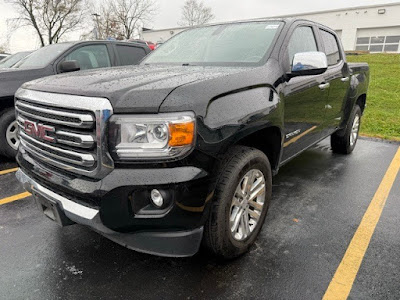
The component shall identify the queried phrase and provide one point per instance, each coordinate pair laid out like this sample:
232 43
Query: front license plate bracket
52 210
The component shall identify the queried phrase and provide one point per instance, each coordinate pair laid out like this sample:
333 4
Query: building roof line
290 15
337 10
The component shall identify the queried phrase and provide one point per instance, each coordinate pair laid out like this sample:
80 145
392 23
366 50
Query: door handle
324 86
345 79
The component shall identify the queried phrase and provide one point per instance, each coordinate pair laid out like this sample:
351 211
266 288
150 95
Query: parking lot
319 200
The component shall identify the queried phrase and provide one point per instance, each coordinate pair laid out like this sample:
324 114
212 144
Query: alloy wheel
247 204
354 130
12 135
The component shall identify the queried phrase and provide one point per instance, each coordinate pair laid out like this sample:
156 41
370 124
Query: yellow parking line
342 282
14 198
8 171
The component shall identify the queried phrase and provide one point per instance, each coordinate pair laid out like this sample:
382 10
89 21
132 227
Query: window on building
331 47
378 43
363 40
391 48
362 47
376 48
393 39
377 40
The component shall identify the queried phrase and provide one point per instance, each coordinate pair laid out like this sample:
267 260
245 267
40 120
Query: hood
130 89
11 79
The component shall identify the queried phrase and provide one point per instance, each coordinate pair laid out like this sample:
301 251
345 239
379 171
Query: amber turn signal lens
181 134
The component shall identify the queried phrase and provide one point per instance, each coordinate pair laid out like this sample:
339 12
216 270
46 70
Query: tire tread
340 143
213 240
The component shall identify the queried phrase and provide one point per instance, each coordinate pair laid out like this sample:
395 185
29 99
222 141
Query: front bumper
177 243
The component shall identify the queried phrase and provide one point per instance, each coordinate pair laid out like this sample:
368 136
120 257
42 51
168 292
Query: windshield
42 57
218 45
13 59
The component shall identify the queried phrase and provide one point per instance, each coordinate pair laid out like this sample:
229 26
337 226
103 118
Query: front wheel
9 132
242 195
345 142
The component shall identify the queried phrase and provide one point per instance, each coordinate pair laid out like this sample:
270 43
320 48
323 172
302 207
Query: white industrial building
374 28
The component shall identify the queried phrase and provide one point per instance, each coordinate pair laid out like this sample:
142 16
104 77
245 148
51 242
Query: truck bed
358 67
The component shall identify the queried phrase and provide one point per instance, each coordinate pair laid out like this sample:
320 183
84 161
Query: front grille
64 131
54 115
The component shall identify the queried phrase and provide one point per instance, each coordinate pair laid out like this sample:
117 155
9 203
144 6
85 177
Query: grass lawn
382 115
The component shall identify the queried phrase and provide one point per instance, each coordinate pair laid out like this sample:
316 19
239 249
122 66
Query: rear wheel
242 198
9 134
345 142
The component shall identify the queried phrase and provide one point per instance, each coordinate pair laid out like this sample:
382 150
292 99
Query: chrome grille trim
85 120
86 160
85 141
88 147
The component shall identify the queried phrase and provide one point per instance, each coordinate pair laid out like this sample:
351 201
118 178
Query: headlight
168 135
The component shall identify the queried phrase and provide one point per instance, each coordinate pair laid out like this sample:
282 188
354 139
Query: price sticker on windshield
272 26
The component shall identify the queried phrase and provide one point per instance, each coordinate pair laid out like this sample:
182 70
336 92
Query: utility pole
96 29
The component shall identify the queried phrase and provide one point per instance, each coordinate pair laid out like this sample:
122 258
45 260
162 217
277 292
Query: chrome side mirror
309 63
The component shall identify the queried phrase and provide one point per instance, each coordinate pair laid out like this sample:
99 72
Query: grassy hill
382 115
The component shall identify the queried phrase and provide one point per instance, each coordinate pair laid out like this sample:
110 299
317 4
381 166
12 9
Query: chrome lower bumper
76 212
172 244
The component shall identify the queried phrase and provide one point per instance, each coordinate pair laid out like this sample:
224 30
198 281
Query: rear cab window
129 55
331 47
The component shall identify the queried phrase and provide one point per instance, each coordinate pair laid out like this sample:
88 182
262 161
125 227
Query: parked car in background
55 59
3 56
181 149
11 60
151 45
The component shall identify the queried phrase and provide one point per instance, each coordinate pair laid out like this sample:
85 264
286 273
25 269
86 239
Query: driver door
304 97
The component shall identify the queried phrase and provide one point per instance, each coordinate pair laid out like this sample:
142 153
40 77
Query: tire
345 143
8 124
218 236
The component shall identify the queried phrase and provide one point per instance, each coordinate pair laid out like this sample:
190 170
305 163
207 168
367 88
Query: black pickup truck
55 59
180 151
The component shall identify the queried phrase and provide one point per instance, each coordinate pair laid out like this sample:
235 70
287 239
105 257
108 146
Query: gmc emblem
39 131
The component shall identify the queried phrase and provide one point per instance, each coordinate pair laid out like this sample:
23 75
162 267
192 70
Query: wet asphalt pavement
319 199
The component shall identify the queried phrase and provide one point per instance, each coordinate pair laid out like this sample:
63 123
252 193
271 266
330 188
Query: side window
130 55
331 47
90 57
302 40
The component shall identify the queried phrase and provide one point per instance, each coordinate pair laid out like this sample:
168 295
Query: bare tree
105 25
3 49
195 13
4 45
120 19
51 19
126 16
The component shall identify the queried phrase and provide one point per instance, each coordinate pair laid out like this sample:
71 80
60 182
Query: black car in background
11 60
55 59
149 44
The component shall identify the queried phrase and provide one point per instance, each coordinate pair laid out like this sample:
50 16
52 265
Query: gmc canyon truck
55 59
180 151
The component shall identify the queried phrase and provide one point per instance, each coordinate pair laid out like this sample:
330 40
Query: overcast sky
169 12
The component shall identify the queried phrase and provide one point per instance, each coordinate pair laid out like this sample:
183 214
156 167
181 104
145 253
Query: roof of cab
102 42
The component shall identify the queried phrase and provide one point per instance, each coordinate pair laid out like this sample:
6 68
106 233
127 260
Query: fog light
157 198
